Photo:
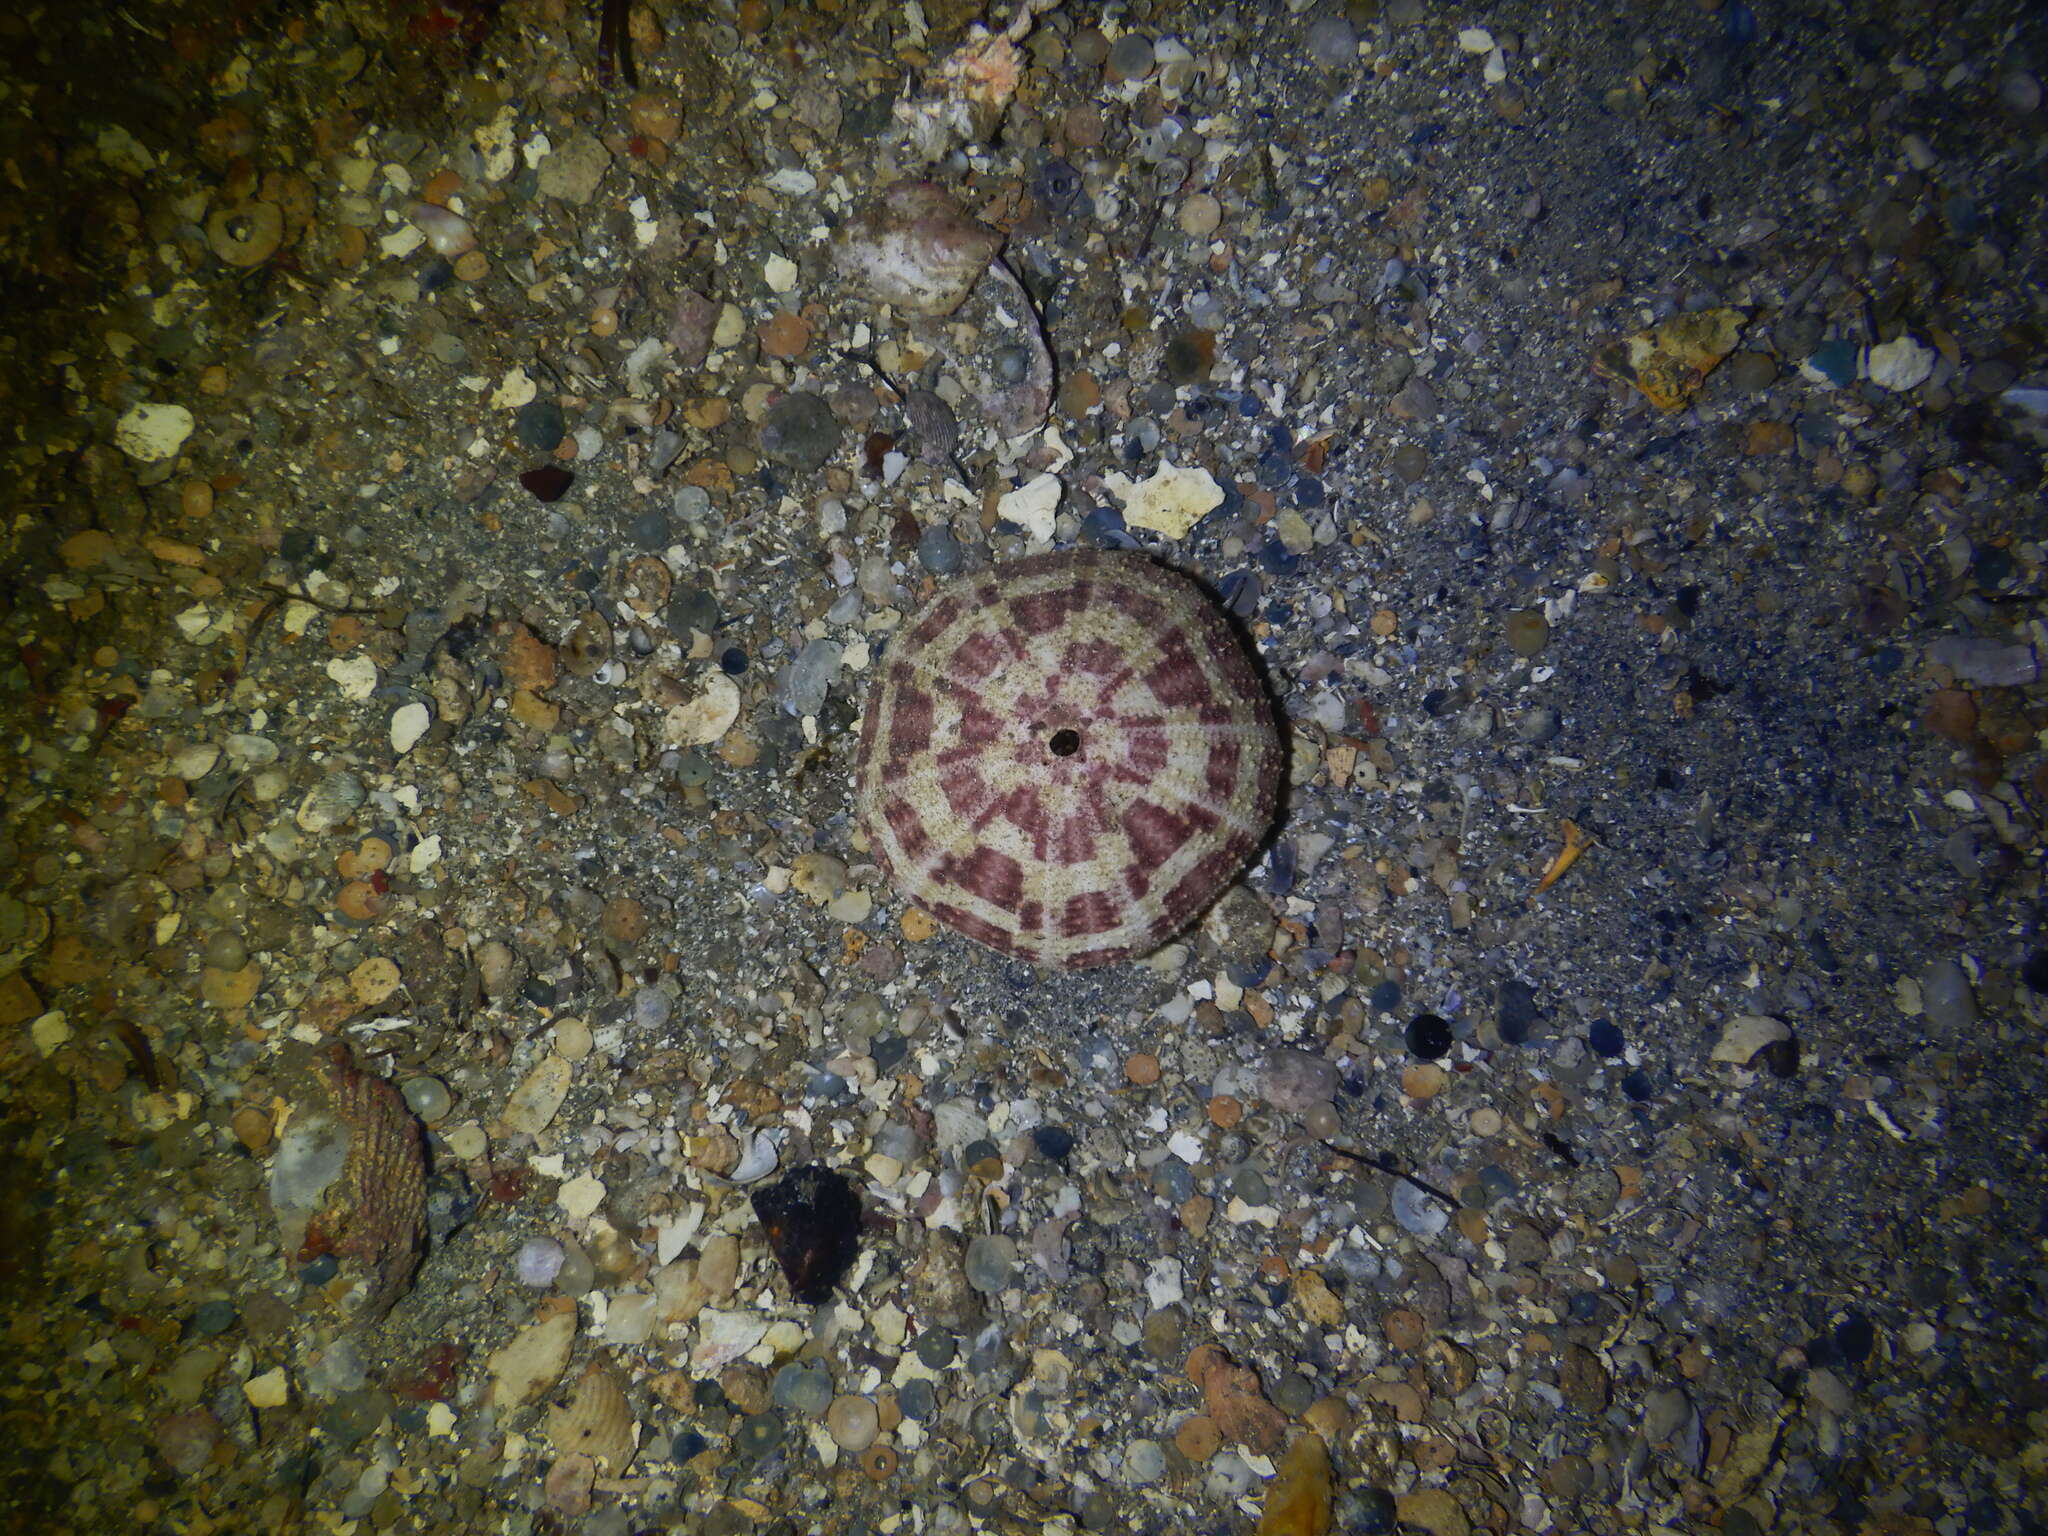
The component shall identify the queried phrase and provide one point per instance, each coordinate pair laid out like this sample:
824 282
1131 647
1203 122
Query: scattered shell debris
901 769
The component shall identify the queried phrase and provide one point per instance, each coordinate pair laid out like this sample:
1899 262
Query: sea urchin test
1067 758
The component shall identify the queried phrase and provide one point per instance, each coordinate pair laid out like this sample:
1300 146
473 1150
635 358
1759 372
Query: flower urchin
1067 758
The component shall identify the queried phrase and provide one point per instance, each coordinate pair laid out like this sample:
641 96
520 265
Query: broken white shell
759 1160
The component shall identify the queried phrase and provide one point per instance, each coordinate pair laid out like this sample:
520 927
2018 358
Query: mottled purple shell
1067 758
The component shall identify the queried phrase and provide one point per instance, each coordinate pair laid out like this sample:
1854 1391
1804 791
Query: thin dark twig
1392 1170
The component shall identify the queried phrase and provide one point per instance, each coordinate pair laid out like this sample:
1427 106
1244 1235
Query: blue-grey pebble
539 425
1947 997
800 431
805 1389
938 551
990 1259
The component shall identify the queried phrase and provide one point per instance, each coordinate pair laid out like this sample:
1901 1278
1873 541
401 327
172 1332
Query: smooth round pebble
1428 1037
539 1262
758 1435
805 1389
1528 632
800 431
213 1317
539 425
1947 997
918 1399
939 552
429 1098
1200 215
990 1259
853 1423
1130 57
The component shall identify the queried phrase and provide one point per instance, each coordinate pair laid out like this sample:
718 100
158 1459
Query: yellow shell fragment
1170 500
1576 842
1298 1498
708 716
532 1361
1669 362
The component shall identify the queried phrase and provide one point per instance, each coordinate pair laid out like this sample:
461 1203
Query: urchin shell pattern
1067 758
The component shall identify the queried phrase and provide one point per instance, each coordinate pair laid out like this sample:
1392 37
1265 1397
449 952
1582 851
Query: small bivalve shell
916 248
597 1421
338 796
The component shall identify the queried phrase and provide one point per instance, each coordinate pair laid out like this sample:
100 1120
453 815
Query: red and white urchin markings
1067 758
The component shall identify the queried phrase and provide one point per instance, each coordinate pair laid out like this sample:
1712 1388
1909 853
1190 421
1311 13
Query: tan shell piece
531 1361
597 1421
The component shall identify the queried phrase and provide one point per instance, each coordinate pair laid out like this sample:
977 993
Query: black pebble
1369 1512
1605 1038
1855 1336
1429 1037
1053 1142
1518 1014
812 1217
319 1271
2035 972
539 424
650 530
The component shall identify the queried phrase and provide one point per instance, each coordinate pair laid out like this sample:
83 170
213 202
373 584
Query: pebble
1144 1462
939 551
540 425
1417 1211
1200 216
429 1098
538 1262
185 1441
693 608
800 431
853 1423
1518 1015
802 687
1130 57
1428 1037
991 1259
758 1435
1752 372
804 1389
918 1399
1528 631
1946 996
1295 1081
1332 42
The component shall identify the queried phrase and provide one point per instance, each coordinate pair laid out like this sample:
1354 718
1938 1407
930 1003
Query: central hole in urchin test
1064 742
